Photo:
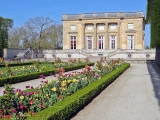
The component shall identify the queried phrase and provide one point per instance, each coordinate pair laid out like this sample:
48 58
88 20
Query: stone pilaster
118 37
95 37
82 37
106 36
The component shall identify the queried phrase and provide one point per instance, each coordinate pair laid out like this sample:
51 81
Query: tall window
89 42
73 42
101 42
113 42
112 26
89 27
73 27
101 27
130 41
130 26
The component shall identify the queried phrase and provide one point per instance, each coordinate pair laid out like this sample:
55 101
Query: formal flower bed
20 105
37 67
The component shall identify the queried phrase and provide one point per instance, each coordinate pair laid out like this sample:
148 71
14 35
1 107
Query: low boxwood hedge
63 110
22 78
17 64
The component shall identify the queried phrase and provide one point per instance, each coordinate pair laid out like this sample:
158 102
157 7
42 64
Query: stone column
143 35
82 37
106 37
118 37
95 37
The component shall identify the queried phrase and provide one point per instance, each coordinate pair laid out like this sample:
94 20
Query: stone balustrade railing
102 51
103 15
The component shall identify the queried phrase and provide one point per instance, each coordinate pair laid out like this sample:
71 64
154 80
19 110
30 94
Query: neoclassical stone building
110 30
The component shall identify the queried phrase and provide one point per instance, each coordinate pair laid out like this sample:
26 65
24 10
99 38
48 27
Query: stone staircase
30 53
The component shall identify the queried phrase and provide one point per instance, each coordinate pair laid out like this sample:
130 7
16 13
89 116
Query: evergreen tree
153 17
5 24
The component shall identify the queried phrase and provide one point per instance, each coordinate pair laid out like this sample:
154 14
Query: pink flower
45 81
21 107
41 76
27 86
13 111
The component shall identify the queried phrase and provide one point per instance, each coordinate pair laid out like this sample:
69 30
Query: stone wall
119 53
10 53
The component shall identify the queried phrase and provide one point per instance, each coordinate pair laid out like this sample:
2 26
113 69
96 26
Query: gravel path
135 95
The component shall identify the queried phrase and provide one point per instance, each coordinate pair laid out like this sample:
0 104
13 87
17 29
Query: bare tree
14 38
29 36
39 26
39 32
59 32
55 38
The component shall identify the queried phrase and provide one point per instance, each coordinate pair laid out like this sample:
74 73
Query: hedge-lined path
35 82
135 95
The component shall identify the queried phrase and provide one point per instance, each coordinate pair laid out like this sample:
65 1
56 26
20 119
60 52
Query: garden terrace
66 85
63 110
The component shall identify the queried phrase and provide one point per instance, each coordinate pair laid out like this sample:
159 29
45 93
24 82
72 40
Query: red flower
38 92
31 102
60 74
31 93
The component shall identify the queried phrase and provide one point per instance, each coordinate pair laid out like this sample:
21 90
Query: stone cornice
72 32
89 32
108 15
130 31
113 32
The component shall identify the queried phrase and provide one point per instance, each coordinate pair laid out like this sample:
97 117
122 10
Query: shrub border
71 104
22 78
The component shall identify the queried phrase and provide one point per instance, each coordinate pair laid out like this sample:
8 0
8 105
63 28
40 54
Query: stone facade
104 30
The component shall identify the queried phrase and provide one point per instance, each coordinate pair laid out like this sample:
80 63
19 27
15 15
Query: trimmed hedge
49 62
24 63
46 62
63 110
22 78
17 64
